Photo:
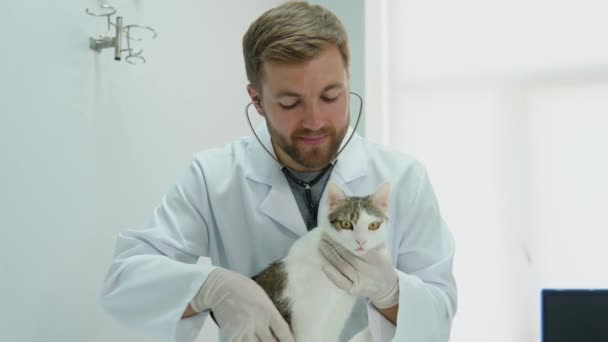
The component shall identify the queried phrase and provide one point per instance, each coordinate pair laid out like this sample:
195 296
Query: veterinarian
245 204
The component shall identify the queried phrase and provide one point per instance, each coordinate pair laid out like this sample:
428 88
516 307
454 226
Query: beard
310 157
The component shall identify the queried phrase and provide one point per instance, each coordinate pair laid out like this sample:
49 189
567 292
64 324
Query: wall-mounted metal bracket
114 39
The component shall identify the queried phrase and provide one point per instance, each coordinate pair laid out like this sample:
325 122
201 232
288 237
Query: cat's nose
361 243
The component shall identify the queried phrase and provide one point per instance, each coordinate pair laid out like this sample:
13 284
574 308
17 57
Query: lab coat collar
279 204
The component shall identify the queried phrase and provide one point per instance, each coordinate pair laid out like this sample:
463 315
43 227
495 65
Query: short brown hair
293 32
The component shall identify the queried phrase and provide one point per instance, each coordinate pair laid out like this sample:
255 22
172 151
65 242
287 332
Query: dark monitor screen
575 315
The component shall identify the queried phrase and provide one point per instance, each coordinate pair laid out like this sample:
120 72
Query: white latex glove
370 275
241 308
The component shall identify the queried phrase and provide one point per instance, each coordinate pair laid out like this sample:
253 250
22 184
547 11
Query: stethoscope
312 209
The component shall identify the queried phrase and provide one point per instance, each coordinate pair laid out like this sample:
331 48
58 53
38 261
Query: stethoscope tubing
337 154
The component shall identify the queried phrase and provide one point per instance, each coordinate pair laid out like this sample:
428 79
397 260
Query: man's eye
329 99
290 106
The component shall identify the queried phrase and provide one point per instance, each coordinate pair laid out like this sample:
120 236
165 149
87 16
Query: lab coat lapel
351 165
279 204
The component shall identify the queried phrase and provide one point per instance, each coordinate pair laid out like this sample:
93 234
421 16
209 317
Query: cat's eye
374 225
344 224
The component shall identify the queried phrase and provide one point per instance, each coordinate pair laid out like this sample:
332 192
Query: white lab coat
235 206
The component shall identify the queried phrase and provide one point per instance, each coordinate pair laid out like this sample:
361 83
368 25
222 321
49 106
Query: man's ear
256 99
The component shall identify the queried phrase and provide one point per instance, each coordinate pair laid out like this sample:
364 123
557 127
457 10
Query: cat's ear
335 195
381 197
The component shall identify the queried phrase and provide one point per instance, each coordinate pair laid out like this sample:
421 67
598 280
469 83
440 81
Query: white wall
506 103
89 145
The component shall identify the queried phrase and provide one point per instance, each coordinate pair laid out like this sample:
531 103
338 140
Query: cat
314 308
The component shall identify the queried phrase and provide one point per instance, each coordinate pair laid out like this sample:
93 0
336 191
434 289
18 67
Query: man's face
306 109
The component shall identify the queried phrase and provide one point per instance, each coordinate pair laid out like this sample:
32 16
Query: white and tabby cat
312 305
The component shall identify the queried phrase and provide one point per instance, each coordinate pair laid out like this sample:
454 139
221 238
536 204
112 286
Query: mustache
319 132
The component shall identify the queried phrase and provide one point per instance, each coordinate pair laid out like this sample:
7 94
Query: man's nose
313 117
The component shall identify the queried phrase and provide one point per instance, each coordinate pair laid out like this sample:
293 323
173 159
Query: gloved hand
241 308
370 275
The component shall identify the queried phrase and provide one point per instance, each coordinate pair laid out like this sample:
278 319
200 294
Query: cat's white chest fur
303 263
322 316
